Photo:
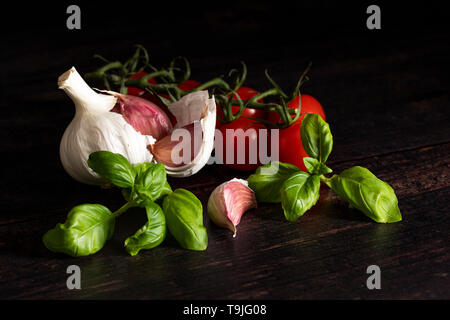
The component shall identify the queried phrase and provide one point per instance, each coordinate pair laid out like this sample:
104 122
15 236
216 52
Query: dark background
385 93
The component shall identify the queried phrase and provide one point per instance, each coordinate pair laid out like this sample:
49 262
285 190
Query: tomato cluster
290 144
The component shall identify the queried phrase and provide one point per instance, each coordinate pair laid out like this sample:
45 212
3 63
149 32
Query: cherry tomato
290 145
137 91
245 93
309 105
251 131
189 85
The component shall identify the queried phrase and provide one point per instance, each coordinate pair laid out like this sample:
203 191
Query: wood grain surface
386 97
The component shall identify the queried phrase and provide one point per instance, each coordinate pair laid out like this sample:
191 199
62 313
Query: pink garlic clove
169 150
229 201
145 116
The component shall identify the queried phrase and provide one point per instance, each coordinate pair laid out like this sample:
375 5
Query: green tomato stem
214 82
116 74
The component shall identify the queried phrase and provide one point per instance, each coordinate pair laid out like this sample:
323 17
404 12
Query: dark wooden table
385 93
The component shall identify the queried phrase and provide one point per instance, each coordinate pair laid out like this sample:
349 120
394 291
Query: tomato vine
116 74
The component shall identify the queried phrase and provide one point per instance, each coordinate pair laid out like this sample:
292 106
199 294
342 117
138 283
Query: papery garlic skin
95 128
229 201
193 107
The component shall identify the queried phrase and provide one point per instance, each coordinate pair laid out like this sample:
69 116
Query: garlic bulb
128 125
229 201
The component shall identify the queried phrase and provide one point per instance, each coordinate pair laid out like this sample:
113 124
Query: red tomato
251 131
245 93
189 85
137 91
290 145
309 105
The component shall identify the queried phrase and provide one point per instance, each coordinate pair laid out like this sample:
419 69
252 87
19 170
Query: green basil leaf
150 183
316 137
365 192
140 200
151 234
267 183
184 215
165 190
85 231
314 166
298 194
113 167
127 194
140 168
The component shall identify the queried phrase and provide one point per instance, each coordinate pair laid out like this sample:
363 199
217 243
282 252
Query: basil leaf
316 137
314 166
298 194
267 184
165 190
151 234
365 192
184 215
140 168
150 183
127 194
113 167
85 231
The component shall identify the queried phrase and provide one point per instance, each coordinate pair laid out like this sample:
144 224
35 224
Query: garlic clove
229 201
196 106
170 149
145 116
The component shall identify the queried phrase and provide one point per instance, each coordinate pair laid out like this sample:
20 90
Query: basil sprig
298 191
89 226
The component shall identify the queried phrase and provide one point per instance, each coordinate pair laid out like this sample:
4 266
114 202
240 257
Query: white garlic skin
196 106
95 128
